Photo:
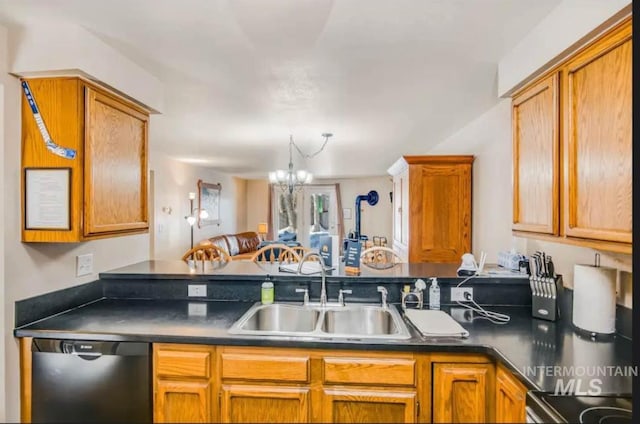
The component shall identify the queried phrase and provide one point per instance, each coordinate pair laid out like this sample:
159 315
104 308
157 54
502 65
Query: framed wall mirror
209 201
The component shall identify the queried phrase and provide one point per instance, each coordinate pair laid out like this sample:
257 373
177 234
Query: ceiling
386 77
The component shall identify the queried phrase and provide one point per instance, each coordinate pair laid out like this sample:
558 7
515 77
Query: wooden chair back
209 252
380 257
271 253
287 256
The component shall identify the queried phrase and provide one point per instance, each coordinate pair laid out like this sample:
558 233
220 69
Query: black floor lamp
191 219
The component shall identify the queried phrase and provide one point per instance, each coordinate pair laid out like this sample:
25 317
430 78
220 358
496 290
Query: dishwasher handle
90 348
93 349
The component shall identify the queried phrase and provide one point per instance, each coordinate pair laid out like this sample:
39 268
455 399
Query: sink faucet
384 293
323 290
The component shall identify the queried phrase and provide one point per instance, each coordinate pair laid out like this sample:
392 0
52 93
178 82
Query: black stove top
580 409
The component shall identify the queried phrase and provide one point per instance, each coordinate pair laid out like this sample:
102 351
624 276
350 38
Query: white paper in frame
47 198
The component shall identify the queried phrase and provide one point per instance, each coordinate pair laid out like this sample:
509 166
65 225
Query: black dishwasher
90 381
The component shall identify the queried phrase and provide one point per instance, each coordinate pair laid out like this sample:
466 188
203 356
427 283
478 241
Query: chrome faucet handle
306 294
384 293
341 294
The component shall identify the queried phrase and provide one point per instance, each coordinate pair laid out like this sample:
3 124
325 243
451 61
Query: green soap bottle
267 294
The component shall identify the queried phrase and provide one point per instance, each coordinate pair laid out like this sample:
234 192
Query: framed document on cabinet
47 200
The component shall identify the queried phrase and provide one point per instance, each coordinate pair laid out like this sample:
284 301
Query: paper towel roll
594 298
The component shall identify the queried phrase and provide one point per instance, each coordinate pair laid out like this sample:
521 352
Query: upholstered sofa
239 246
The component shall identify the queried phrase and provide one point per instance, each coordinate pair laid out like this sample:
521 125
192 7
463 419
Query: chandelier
290 180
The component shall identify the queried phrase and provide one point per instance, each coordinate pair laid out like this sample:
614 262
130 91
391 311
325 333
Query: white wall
173 182
241 202
257 204
553 38
31 269
48 47
3 70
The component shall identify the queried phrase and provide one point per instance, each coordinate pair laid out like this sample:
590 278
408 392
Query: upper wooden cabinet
535 158
107 178
432 207
597 139
572 145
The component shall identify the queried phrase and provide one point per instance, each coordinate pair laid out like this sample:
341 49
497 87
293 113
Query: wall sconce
263 229
191 219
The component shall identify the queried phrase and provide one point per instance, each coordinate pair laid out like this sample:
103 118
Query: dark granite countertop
164 269
524 344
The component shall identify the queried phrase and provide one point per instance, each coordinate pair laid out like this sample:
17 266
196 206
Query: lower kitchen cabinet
182 401
510 397
462 392
264 404
352 405
184 383
194 383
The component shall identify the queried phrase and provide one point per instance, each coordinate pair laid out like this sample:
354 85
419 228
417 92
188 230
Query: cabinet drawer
386 371
176 363
267 367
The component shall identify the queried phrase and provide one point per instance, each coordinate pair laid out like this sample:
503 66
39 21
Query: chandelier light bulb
204 214
191 220
301 175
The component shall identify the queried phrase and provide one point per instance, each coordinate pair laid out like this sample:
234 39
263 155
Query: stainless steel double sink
357 321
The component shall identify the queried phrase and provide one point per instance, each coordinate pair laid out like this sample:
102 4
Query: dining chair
287 256
380 257
207 253
271 254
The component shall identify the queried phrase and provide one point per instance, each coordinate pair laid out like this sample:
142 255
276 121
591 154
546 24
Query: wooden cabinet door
368 406
183 383
264 404
440 213
510 398
597 139
461 393
187 401
536 158
115 166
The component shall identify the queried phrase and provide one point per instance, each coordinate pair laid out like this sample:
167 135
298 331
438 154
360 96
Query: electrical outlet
84 264
197 290
458 293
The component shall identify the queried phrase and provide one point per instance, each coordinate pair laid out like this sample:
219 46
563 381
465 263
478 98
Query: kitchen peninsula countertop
166 269
524 344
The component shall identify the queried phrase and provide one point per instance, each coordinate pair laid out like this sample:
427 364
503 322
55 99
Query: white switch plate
84 264
197 290
457 293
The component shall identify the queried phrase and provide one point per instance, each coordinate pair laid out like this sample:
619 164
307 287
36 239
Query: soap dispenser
434 294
